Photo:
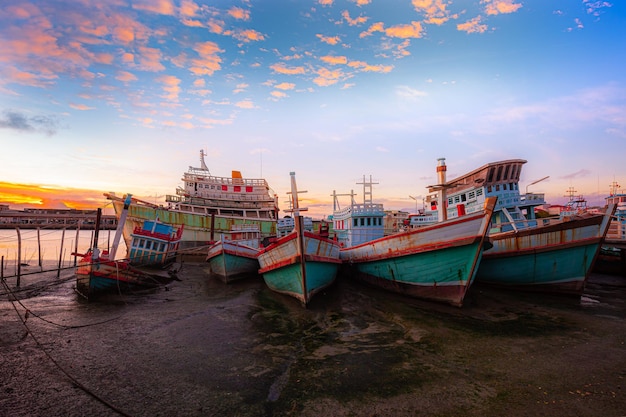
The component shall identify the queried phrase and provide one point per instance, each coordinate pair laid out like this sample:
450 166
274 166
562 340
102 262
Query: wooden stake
61 253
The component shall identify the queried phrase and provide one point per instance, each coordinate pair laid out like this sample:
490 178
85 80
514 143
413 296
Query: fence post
61 253
19 255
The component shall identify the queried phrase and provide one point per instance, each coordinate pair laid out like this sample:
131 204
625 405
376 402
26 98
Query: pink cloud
494 7
165 7
282 69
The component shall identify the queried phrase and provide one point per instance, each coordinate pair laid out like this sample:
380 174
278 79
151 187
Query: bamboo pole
76 243
19 255
39 248
61 253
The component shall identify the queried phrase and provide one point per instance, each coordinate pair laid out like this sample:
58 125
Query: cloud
282 69
494 7
409 93
472 26
126 76
171 86
239 13
434 11
208 60
164 7
581 173
81 106
331 40
19 122
334 60
353 22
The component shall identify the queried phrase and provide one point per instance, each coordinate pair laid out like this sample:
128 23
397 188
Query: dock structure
32 218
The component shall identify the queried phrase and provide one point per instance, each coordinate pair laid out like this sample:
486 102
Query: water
52 245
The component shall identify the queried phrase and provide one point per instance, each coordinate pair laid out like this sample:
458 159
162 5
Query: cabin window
489 189
506 172
148 245
456 199
362 221
472 195
162 247
490 176
463 197
497 187
499 175
450 201
355 222
369 221
504 187
141 243
479 192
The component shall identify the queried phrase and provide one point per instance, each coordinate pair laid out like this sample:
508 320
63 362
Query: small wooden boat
234 256
99 272
301 263
154 244
437 262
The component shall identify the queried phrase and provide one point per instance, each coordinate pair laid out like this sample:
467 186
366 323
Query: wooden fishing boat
554 256
530 253
234 256
207 206
154 244
99 272
301 263
437 262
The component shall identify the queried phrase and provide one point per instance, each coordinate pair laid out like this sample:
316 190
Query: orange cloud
472 26
334 60
374 27
327 77
188 8
285 86
414 30
334 40
216 26
19 196
150 59
239 13
165 7
278 94
245 104
171 86
353 22
434 11
126 76
364 66
282 69
325 2
248 35
208 61
494 7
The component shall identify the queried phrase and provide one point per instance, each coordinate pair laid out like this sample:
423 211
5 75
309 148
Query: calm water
52 245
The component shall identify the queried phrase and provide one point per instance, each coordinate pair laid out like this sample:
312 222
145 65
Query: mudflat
198 347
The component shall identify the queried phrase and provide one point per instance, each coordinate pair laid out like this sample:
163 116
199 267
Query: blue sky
121 95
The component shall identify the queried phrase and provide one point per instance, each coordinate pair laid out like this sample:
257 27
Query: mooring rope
59 367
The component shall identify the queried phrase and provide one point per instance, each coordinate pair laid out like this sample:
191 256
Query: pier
33 218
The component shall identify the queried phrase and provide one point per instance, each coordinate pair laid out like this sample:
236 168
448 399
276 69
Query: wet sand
198 347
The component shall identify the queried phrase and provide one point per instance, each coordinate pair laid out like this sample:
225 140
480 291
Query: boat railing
210 179
243 201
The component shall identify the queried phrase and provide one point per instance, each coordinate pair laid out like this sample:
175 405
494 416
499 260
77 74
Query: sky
120 95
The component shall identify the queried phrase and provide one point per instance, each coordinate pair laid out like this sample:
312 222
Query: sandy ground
197 347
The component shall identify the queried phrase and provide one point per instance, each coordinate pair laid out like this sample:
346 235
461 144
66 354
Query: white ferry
207 206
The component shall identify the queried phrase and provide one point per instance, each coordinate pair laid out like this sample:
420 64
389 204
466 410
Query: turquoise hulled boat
436 262
301 263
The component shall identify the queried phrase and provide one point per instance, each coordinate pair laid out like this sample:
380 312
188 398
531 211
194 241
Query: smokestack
443 198
441 170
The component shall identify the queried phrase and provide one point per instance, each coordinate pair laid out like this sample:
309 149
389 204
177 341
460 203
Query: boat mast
120 227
